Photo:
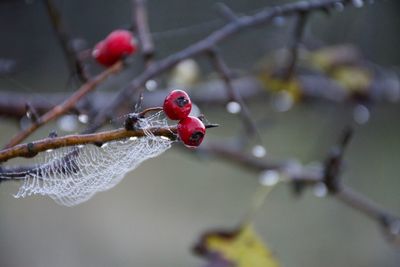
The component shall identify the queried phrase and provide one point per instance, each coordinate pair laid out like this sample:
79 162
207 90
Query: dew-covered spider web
72 175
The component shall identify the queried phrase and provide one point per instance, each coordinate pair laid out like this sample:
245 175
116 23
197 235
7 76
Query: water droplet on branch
233 107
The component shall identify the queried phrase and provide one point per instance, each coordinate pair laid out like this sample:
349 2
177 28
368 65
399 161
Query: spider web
73 175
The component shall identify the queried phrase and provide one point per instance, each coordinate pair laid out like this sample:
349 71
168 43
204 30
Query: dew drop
269 178
83 118
282 101
104 145
164 137
233 107
68 123
361 114
151 85
80 146
49 150
133 138
320 190
358 3
259 151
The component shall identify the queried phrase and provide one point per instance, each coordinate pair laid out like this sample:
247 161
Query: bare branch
140 18
66 105
306 177
74 63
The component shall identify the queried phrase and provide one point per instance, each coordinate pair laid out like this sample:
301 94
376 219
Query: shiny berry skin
177 105
191 131
118 44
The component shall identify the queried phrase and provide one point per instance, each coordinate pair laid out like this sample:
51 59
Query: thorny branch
31 149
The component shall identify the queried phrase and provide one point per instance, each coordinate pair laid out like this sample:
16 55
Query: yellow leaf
352 78
278 84
244 248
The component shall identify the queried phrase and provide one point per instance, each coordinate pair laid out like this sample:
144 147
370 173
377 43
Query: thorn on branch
226 12
31 112
53 134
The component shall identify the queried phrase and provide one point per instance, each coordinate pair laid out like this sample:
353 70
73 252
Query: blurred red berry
191 131
177 105
118 44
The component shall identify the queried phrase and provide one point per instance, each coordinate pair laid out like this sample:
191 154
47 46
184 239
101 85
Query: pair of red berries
177 106
117 45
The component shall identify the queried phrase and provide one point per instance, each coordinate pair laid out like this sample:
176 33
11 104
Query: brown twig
230 29
66 105
33 148
73 61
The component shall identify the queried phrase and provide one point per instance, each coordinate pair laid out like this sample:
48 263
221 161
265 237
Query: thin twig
73 61
140 18
66 105
297 38
226 75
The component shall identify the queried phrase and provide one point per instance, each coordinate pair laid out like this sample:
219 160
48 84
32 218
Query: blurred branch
226 75
297 38
140 18
67 105
306 177
212 92
74 63
141 23
230 29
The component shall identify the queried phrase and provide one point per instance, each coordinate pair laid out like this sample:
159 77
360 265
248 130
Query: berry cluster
117 45
177 106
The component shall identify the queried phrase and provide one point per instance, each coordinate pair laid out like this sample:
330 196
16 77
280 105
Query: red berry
117 45
191 131
177 105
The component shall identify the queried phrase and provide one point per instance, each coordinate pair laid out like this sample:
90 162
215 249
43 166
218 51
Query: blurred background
156 214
